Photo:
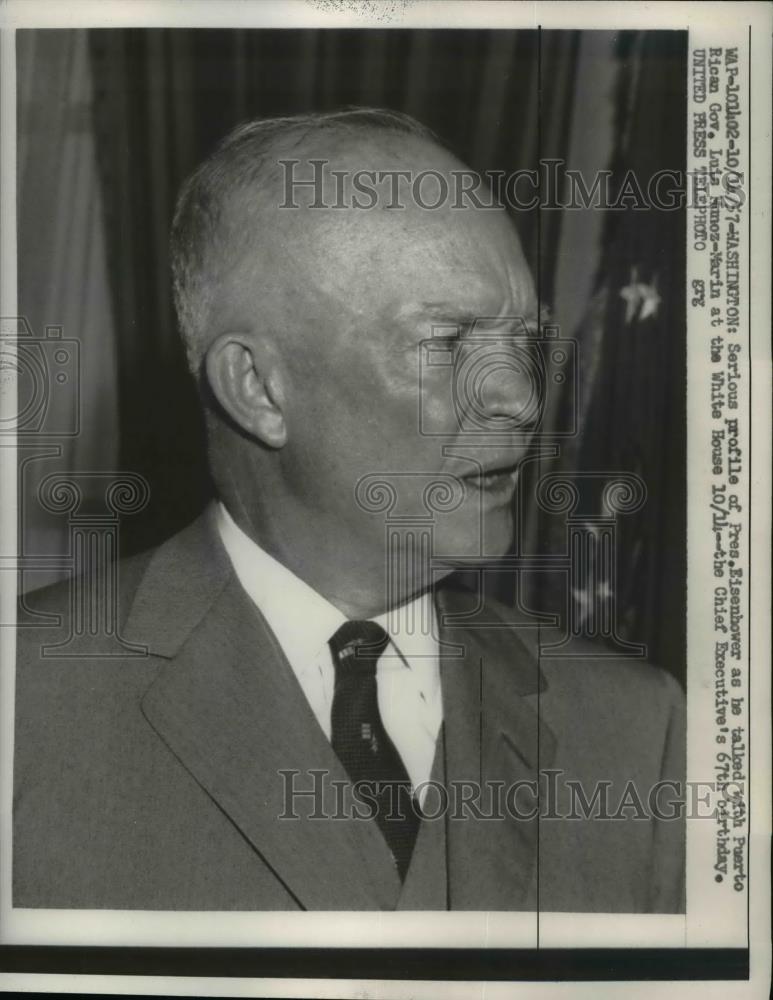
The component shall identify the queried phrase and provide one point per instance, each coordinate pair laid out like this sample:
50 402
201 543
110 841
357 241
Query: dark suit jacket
151 778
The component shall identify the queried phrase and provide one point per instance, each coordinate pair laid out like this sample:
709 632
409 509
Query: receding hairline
252 143
245 161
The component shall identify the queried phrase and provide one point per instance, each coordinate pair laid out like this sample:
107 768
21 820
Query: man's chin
476 547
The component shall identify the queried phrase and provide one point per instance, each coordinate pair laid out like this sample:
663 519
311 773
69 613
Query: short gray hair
202 249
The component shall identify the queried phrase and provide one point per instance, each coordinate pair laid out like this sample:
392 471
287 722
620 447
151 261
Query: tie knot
358 643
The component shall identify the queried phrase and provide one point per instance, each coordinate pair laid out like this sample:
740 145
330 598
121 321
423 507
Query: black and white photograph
377 408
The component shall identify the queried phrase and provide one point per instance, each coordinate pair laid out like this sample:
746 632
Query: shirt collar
301 618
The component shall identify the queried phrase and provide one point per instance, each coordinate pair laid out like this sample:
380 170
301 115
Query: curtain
63 288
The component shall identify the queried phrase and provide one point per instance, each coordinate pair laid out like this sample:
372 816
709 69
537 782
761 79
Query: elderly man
317 718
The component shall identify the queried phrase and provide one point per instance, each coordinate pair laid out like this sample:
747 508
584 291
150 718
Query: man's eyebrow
441 312
445 315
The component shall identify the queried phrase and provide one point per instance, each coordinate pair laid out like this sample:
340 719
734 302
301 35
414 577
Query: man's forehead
341 178
387 260
365 148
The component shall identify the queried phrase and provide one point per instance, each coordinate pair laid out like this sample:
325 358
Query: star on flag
640 297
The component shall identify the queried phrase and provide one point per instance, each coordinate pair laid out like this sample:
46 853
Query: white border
705 897
587 928
371 14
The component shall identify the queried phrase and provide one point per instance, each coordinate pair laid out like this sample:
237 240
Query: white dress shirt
407 673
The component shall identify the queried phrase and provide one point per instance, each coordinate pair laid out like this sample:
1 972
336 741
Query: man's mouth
497 481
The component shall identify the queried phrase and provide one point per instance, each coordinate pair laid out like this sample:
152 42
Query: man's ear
244 376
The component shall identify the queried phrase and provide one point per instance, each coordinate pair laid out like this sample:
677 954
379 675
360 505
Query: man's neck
356 593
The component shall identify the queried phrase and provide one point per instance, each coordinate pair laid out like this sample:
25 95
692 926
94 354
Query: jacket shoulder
582 664
596 701
585 666
35 607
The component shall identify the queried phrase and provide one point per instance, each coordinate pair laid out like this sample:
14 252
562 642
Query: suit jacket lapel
493 734
230 708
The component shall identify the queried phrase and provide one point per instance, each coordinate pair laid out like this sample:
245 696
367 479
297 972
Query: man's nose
505 391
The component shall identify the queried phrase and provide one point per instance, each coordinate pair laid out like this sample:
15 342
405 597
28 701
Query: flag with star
632 362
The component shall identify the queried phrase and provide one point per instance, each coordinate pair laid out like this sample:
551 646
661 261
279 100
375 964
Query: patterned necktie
363 744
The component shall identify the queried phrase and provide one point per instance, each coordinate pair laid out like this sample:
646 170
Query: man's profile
315 714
